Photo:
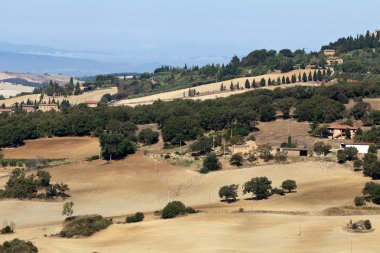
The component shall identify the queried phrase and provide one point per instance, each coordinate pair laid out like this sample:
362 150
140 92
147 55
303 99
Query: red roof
91 102
342 127
5 110
358 143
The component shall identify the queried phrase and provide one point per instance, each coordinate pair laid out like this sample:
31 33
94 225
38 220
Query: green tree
211 163
148 136
304 77
68 209
247 84
228 192
289 185
321 148
115 146
236 159
267 113
262 82
258 186
342 156
310 78
315 77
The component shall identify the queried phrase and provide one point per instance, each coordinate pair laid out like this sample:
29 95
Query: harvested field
73 148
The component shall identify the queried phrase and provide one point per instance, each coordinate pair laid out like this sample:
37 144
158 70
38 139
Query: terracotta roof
5 110
342 127
91 102
358 143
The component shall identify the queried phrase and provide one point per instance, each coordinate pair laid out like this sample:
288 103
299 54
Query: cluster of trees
148 137
260 187
22 186
343 45
18 246
54 89
363 111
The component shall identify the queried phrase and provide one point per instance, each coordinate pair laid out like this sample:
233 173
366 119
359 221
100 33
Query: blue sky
173 31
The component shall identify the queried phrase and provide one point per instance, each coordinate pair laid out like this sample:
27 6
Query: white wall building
362 147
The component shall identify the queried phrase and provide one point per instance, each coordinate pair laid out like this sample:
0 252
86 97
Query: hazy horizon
175 33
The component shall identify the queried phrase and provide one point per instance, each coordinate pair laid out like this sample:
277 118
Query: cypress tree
269 81
310 77
232 86
238 86
315 78
294 78
304 77
287 80
254 84
283 80
247 84
299 77
262 82
278 81
319 75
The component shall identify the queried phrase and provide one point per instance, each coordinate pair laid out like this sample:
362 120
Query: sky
173 31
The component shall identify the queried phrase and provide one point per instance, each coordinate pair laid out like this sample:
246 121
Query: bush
92 158
278 191
211 163
367 224
148 137
236 159
135 218
175 208
84 226
18 246
321 148
6 230
359 201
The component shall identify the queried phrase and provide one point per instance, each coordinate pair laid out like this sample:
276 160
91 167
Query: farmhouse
5 110
28 108
91 103
48 107
297 151
362 147
329 52
331 60
339 131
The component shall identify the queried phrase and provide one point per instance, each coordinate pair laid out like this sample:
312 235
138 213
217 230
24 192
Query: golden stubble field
140 183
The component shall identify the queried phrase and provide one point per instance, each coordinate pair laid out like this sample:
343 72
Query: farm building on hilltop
329 52
91 103
331 60
362 147
48 107
341 131
5 110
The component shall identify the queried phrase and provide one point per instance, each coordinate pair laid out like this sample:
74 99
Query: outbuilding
362 147
297 151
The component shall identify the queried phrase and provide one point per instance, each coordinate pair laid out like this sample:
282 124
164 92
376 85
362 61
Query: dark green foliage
341 156
267 113
202 146
148 136
236 159
137 217
175 208
84 226
367 225
258 186
211 163
278 191
116 146
18 246
360 109
228 192
359 201
289 185
371 191
358 164
371 166
321 148
264 152
6 230
178 129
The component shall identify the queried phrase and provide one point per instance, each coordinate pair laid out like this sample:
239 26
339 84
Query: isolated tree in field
289 185
68 209
228 192
258 186
236 159
211 163
304 77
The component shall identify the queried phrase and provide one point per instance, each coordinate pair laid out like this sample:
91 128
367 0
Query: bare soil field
73 148
212 91
9 89
374 102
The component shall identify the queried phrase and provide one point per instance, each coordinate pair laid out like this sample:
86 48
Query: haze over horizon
151 33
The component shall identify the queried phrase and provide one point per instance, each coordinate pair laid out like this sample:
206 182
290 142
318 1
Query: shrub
175 208
241 210
211 163
12 163
278 191
137 217
92 158
84 226
321 148
18 246
6 230
236 159
359 201
148 136
367 224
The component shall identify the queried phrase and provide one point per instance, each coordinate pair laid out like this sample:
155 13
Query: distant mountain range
36 59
